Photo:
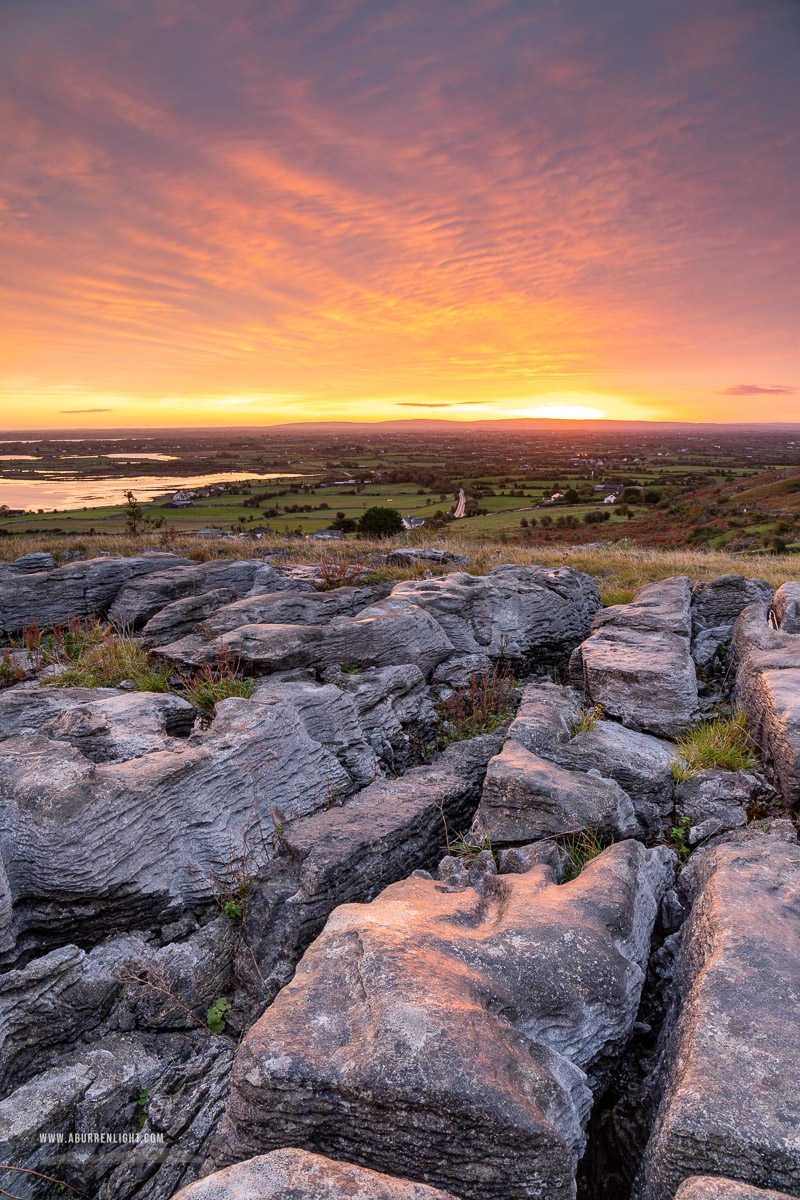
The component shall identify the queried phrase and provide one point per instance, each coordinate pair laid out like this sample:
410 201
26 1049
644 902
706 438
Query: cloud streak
755 389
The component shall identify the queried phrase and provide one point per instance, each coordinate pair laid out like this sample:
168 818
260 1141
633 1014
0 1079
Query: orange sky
214 214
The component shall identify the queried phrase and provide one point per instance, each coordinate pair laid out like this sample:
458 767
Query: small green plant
350 668
211 684
136 521
215 1016
680 836
10 673
724 743
580 847
143 1097
586 719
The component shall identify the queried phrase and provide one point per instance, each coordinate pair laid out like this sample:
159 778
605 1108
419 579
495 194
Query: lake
50 494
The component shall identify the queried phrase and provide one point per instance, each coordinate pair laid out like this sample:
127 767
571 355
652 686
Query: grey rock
786 607
75 591
119 728
709 644
645 679
637 664
384 634
30 708
141 599
481 871
640 764
716 800
299 1175
31 564
718 602
452 871
394 709
519 859
783 828
350 852
525 614
525 797
183 1108
94 1089
661 607
711 1187
179 618
768 688
91 849
431 1014
410 557
730 1090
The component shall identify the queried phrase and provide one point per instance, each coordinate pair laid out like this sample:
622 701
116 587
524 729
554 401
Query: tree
135 519
380 521
343 523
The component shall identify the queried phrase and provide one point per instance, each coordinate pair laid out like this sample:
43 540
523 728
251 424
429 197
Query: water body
49 494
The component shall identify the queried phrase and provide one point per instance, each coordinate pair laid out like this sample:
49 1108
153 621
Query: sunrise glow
233 214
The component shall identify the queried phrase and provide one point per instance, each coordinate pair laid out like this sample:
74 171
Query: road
462 504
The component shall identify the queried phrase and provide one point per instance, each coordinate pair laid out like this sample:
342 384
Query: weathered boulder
298 1175
661 607
453 626
93 848
75 591
29 708
715 801
711 1187
786 607
525 798
636 663
179 618
409 556
524 614
718 602
384 634
640 764
454 1037
350 852
730 1090
293 608
31 564
141 599
122 727
768 688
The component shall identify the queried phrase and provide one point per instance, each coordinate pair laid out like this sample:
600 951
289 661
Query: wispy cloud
84 410
755 389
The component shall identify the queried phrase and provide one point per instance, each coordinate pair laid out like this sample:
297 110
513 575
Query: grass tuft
724 743
580 847
586 719
94 655
206 687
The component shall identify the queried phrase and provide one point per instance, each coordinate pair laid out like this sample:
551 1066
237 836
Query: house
611 498
413 522
182 499
326 535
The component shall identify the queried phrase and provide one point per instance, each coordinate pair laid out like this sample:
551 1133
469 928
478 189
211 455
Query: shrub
487 702
338 574
380 521
724 743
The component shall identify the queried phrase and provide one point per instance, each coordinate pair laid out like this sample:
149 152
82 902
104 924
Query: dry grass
487 702
724 744
619 569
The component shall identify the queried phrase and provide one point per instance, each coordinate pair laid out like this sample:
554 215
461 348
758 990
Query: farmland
732 489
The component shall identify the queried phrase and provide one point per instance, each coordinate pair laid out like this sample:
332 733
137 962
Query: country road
462 504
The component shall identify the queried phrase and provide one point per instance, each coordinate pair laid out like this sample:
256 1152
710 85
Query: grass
487 702
96 656
619 568
724 743
580 847
206 687
586 719
467 851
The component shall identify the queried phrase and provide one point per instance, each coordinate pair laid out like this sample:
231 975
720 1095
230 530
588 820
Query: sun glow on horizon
565 412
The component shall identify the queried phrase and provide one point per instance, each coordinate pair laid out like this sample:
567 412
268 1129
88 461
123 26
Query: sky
262 211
